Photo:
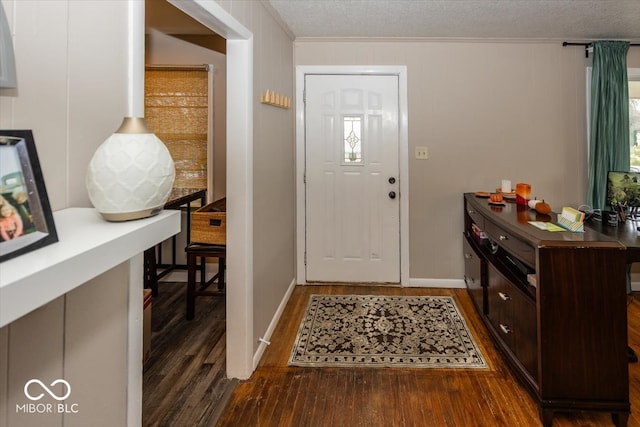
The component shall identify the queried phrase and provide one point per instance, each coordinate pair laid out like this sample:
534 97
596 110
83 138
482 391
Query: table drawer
521 250
473 266
475 216
513 316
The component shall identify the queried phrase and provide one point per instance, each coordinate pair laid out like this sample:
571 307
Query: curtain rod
203 67
587 45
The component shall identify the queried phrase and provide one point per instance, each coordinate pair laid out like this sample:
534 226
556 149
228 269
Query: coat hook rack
275 99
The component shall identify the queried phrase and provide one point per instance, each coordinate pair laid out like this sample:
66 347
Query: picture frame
26 220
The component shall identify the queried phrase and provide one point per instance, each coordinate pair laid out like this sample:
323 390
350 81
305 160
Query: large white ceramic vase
131 174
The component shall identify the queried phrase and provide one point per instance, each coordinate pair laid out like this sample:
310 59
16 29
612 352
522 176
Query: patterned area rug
384 331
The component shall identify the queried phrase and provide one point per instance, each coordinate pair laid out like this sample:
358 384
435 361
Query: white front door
352 178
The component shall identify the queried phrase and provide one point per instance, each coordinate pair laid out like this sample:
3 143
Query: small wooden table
179 198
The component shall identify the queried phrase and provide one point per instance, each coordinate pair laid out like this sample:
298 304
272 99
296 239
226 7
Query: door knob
392 180
392 194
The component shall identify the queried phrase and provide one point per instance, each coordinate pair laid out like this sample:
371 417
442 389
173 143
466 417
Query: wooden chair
200 251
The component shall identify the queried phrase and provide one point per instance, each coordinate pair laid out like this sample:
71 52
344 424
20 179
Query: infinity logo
52 394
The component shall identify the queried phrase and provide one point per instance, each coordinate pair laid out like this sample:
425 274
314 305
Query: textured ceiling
577 20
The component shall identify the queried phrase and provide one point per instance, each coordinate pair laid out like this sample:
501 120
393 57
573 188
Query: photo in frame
26 220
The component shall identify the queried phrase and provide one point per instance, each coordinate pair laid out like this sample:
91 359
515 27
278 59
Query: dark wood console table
626 233
554 304
180 198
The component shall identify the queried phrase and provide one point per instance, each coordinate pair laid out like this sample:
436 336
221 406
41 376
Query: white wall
71 60
274 163
485 111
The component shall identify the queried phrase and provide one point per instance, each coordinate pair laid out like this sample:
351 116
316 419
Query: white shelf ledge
87 247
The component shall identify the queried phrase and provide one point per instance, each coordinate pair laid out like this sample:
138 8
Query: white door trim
403 145
239 294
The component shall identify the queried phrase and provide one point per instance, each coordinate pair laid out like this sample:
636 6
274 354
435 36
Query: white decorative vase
131 174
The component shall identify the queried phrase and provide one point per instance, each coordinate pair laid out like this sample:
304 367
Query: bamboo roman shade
176 110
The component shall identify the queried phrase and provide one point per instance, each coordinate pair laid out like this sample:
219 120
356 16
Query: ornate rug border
382 361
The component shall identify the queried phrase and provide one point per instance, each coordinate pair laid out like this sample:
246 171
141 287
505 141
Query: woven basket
209 223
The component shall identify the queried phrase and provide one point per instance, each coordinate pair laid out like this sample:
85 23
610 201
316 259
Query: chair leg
203 271
222 266
150 271
192 259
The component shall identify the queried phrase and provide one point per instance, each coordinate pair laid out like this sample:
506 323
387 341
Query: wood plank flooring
279 395
185 385
184 382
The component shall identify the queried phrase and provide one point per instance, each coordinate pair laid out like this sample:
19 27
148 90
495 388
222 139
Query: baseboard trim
436 283
459 283
175 276
264 340
181 275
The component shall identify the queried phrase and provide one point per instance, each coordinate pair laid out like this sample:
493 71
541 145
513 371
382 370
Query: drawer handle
505 297
467 256
505 328
471 211
502 237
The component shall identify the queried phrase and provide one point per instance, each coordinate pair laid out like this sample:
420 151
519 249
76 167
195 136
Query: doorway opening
185 105
239 182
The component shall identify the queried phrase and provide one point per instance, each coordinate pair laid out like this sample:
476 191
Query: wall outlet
422 153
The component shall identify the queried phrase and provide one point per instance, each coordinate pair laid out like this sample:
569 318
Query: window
633 74
634 118
177 111
352 140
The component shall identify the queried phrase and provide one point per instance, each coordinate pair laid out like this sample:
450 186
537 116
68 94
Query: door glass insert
352 140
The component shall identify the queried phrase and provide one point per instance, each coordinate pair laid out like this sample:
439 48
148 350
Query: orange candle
523 193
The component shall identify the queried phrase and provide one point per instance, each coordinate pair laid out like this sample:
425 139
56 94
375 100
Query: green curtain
609 138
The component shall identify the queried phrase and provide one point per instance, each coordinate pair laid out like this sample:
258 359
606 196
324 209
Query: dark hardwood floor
279 395
184 380
185 384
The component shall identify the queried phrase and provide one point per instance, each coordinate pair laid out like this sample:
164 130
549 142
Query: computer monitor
623 192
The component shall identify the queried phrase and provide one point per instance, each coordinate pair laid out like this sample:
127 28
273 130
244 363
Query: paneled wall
72 92
80 338
72 85
486 111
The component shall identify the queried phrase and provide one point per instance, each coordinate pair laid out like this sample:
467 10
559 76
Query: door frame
239 291
403 157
